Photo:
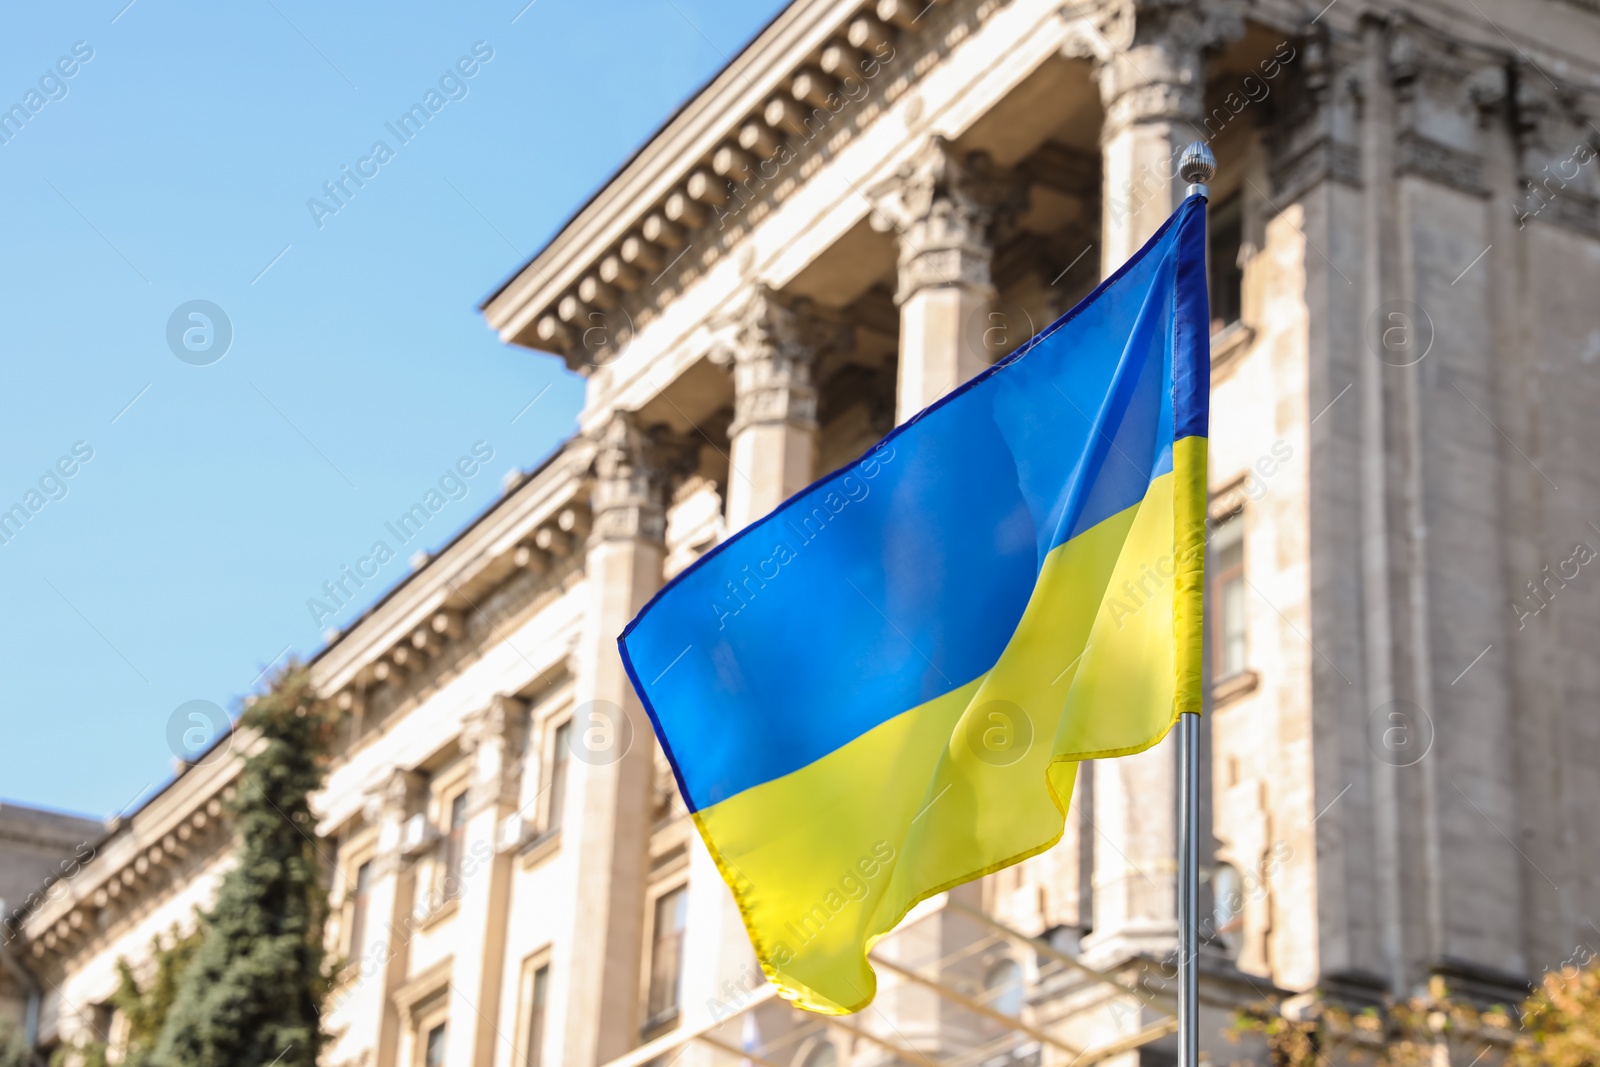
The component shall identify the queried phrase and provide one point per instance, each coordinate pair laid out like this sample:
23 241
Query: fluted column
943 206
774 431
1151 89
493 738
611 761
385 956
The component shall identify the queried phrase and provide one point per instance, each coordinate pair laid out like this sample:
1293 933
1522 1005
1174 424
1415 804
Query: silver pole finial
1197 166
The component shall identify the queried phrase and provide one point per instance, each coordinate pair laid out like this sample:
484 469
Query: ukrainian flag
883 689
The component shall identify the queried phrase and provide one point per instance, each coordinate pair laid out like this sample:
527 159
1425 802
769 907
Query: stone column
493 737
385 957
943 206
608 827
1151 88
774 431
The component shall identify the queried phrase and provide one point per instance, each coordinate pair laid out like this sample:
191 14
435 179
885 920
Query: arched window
822 1054
1227 909
1002 988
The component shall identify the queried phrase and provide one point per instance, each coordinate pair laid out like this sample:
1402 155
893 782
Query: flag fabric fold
883 689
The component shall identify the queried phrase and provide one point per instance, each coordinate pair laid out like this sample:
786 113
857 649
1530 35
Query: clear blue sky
175 164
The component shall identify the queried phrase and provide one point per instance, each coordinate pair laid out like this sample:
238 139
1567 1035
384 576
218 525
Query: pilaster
493 737
1447 458
385 958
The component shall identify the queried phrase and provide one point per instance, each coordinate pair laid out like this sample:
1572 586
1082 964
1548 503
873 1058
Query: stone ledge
1227 690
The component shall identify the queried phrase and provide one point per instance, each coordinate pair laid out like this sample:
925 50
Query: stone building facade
874 201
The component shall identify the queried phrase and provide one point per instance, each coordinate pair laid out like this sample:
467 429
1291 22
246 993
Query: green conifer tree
253 994
145 1008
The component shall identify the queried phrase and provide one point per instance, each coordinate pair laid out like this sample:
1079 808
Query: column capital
493 735
502 720
634 470
396 797
1149 58
387 805
775 347
944 205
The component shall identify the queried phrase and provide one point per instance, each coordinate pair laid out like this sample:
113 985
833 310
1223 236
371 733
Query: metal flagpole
1197 166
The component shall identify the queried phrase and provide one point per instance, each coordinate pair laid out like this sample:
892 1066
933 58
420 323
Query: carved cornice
142 857
525 545
1558 155
822 70
945 207
1443 89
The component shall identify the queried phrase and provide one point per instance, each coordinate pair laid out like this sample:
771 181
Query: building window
1226 241
452 847
433 1046
533 1031
1227 909
1227 597
103 1022
822 1054
560 748
1002 988
666 954
358 909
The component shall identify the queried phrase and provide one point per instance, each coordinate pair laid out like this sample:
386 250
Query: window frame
1234 927
810 1050
994 993
527 1052
427 1015
667 1015
356 908
359 850
552 810
1218 219
1218 579
427 1027
452 842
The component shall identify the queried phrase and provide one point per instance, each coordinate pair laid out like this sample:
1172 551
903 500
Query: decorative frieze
1441 89
1323 159
1417 153
1314 130
1557 147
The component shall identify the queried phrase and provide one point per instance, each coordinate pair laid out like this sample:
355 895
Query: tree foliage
1561 1021
144 1006
254 991
13 1047
1557 1026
